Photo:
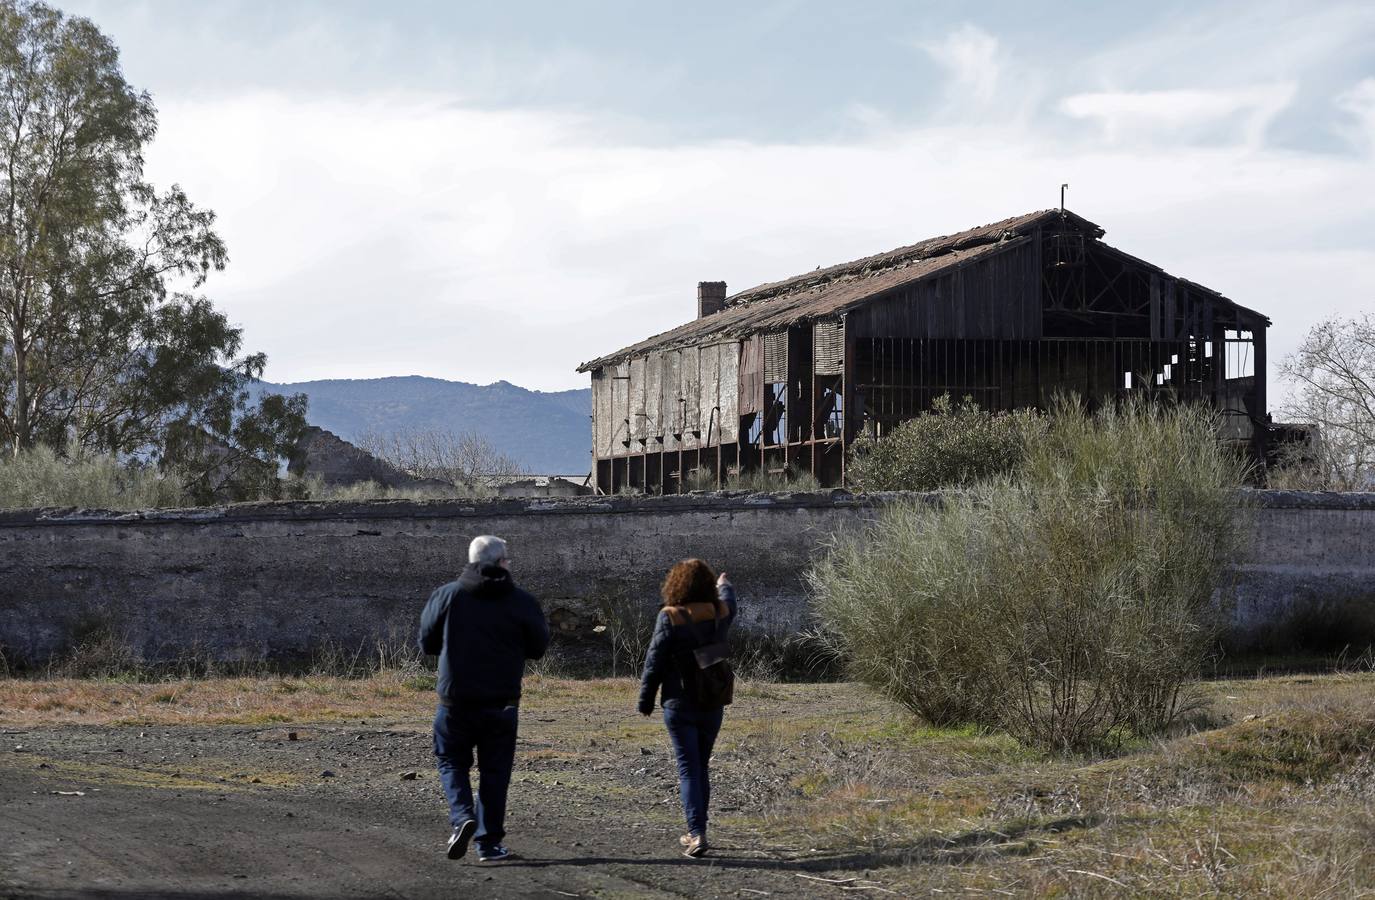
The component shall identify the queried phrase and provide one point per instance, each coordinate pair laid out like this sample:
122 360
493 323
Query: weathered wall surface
268 580
1309 574
272 580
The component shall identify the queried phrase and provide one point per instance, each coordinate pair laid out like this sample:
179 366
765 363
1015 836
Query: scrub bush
954 445
1071 604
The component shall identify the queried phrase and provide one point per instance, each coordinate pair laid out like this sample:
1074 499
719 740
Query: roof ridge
891 259
838 287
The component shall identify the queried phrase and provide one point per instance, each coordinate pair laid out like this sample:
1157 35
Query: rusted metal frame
846 360
811 423
787 397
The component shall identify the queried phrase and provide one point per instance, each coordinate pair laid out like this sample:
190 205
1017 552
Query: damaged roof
829 292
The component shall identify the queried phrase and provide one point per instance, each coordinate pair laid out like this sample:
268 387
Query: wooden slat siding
828 346
1155 307
751 394
776 357
1169 311
995 297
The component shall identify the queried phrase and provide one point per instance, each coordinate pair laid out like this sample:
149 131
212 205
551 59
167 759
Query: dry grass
1272 794
26 703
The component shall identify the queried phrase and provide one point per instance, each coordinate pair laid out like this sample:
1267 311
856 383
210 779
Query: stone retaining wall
274 580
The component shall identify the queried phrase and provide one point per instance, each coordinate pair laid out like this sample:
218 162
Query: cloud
970 57
392 234
1174 116
1358 104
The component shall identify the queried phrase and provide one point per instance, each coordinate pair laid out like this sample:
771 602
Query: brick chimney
711 297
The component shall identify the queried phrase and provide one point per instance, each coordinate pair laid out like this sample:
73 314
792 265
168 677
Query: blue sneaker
458 841
495 853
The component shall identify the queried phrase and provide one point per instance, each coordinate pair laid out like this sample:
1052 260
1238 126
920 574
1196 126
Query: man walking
483 628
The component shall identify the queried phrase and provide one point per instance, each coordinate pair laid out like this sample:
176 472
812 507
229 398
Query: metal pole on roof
1063 187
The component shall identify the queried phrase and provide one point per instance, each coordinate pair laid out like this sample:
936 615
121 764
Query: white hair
486 550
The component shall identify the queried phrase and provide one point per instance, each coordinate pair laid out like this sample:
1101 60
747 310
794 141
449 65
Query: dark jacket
670 650
483 628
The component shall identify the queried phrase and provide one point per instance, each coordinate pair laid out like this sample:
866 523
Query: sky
489 191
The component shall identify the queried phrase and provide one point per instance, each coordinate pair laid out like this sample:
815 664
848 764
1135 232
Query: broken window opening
1240 358
775 414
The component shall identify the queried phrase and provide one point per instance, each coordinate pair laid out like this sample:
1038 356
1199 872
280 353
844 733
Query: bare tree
462 459
1333 373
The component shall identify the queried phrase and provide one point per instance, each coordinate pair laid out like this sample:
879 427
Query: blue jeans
491 731
692 730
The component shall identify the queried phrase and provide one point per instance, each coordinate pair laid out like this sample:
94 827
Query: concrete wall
1309 576
274 580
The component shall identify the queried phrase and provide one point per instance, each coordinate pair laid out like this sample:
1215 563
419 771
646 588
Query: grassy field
1271 790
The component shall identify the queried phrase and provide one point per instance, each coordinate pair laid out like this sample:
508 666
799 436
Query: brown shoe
696 846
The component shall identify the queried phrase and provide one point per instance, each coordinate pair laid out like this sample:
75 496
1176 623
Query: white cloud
970 57
1359 105
1173 116
398 234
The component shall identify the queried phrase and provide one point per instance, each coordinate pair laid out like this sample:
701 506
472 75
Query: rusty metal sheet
601 413
751 393
689 374
620 409
654 397
637 403
673 397
728 417
710 394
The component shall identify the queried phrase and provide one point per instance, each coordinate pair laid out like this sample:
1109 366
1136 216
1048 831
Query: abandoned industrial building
784 377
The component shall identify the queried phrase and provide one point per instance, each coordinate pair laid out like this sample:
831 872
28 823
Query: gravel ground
354 809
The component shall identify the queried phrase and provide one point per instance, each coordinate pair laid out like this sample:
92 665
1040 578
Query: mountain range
547 432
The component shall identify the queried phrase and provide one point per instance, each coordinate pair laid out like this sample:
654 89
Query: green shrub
951 446
39 477
1070 604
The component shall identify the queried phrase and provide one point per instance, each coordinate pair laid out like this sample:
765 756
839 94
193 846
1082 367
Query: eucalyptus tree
105 345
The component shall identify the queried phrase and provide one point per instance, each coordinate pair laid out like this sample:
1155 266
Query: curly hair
690 581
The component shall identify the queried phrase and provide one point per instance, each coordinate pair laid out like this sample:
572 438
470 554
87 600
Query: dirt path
196 789
237 811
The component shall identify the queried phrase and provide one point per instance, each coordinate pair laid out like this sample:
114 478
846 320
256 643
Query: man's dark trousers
490 729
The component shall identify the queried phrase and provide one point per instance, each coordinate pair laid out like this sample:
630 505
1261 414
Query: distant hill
548 433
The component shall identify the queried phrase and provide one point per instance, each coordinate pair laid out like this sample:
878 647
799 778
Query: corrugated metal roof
829 292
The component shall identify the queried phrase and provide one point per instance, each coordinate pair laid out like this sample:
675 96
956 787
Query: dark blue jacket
483 628
671 649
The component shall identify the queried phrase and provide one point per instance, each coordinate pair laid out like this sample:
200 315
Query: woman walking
686 660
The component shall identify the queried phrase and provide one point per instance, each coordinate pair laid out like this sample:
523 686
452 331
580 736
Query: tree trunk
21 400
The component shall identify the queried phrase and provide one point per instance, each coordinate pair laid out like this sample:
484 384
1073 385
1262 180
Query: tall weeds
39 477
1071 604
